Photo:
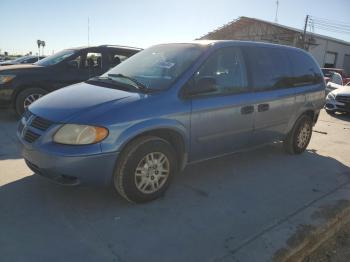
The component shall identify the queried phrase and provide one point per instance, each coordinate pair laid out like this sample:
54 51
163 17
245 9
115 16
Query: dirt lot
336 249
243 207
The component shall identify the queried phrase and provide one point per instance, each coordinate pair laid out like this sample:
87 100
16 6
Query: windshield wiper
137 84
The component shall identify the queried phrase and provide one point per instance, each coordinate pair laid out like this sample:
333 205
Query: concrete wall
255 31
322 46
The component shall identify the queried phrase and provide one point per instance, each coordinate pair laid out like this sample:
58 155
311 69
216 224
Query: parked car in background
327 72
335 82
21 85
338 100
140 123
22 60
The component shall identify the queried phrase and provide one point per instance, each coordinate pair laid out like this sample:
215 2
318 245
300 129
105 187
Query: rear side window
304 69
269 68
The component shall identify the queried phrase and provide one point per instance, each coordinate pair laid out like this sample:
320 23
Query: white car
332 86
338 100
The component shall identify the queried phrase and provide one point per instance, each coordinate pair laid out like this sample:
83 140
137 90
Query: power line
330 21
329 25
332 30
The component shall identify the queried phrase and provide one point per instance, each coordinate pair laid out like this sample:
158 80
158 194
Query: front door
70 71
221 120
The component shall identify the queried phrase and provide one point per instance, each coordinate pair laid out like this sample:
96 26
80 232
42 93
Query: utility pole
304 34
276 15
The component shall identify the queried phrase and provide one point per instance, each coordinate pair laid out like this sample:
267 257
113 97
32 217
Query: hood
343 91
8 62
19 67
66 103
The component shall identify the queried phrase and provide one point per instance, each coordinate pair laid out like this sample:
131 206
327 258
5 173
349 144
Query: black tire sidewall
127 170
19 103
301 121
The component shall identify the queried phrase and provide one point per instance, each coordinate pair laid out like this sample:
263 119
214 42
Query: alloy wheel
30 99
304 135
152 172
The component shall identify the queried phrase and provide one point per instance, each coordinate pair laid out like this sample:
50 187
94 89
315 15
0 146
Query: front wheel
145 169
299 137
26 97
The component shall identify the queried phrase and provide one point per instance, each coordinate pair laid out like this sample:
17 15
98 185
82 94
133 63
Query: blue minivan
140 123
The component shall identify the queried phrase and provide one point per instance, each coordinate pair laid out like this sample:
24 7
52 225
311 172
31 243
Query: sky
64 23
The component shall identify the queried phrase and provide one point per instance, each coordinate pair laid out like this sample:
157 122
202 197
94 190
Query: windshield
22 59
159 66
56 58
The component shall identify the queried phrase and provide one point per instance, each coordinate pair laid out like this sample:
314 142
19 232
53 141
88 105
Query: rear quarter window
305 71
269 68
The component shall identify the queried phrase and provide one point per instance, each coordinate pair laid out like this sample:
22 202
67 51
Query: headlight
6 78
330 96
71 134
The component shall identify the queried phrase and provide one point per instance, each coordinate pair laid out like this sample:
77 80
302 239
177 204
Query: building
328 51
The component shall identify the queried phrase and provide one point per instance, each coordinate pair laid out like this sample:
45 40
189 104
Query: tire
135 178
26 95
292 143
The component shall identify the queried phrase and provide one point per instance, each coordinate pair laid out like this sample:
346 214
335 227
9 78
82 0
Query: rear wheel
27 97
145 169
299 137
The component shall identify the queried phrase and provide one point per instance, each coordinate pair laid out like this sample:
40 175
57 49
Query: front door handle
263 107
247 110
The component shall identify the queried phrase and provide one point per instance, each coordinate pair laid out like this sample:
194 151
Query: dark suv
20 85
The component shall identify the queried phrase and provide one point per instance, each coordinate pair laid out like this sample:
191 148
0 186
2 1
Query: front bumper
69 165
335 106
72 170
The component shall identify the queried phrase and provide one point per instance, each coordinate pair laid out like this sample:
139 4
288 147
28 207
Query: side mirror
202 86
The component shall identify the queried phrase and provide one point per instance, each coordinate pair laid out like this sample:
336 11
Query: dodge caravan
140 123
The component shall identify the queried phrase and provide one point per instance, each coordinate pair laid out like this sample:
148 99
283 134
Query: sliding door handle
247 110
263 107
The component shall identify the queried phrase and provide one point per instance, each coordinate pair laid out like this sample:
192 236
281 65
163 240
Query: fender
148 125
309 106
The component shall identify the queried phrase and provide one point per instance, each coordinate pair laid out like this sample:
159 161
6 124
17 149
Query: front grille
29 122
20 127
343 99
41 123
27 115
30 136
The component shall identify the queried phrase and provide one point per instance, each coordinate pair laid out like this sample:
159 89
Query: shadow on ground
342 116
210 210
9 148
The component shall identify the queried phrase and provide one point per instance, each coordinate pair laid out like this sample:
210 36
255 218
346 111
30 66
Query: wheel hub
304 135
152 172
